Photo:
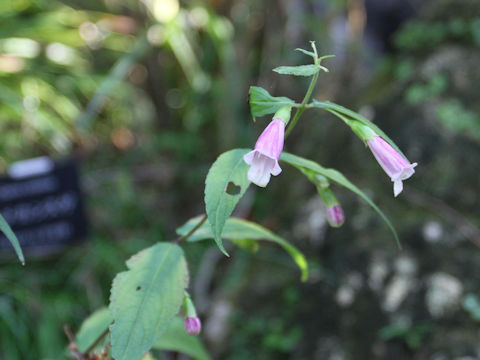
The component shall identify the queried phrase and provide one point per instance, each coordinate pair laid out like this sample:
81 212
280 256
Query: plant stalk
302 106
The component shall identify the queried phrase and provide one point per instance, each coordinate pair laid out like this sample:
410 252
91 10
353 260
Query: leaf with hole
145 299
225 185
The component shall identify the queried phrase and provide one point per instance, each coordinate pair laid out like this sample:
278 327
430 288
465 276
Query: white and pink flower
395 165
263 160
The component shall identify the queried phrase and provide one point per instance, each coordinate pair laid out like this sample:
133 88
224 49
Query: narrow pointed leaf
262 103
145 299
229 170
306 52
175 338
10 235
340 179
327 105
302 70
239 229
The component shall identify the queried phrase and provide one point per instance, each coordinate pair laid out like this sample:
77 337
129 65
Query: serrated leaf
262 103
236 228
175 338
302 70
327 105
340 179
10 235
229 170
92 328
145 299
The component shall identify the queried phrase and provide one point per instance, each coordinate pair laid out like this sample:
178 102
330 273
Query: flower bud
193 325
335 216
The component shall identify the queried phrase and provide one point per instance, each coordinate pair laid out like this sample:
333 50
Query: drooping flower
395 165
263 160
193 325
335 216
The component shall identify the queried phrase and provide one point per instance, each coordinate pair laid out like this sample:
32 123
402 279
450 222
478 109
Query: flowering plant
149 304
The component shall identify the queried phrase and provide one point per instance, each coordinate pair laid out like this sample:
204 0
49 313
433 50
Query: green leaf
175 338
236 228
246 244
262 103
302 70
92 328
145 299
333 108
9 234
309 53
340 179
228 172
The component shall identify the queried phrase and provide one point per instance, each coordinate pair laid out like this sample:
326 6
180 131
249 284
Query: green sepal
362 131
328 197
283 114
188 307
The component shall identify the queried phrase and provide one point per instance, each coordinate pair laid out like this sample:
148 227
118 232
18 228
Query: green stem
302 106
195 228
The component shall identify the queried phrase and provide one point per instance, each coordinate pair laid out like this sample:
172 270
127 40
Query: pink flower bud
193 325
394 164
335 216
263 160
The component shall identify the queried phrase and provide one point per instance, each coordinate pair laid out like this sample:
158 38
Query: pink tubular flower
193 325
263 160
335 216
394 164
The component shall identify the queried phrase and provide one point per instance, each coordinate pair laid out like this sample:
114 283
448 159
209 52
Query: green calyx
323 187
283 114
362 131
328 197
188 307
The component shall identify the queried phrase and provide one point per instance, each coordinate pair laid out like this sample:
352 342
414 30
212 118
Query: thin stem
190 233
302 106
96 342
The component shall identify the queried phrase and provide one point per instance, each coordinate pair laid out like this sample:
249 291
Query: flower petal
248 158
397 187
276 169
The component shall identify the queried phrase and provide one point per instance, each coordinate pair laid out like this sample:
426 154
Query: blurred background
145 94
